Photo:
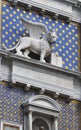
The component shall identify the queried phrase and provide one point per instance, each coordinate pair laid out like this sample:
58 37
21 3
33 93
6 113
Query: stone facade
56 86
11 99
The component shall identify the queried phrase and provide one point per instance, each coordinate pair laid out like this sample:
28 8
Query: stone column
30 120
25 121
56 123
0 68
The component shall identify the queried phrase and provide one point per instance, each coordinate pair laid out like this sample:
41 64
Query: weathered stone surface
40 75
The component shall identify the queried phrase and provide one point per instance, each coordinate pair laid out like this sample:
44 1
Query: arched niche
39 123
43 109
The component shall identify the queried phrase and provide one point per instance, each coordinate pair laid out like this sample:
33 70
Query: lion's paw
19 53
27 56
43 61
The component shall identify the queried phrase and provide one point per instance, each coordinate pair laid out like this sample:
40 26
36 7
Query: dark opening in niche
37 57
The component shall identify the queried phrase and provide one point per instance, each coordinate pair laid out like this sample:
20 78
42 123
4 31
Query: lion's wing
35 28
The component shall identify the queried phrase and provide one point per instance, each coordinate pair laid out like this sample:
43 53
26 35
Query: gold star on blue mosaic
67 35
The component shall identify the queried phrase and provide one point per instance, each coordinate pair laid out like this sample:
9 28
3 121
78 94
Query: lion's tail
13 48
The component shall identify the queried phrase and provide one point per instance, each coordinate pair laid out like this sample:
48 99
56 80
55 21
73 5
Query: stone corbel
13 2
28 7
69 99
27 87
41 91
42 12
78 3
55 16
56 95
68 20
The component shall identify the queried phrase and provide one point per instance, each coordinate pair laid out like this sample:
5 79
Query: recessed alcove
41 112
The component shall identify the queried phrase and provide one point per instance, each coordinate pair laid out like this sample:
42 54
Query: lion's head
50 36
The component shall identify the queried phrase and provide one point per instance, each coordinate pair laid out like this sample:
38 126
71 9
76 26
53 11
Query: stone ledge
17 69
9 55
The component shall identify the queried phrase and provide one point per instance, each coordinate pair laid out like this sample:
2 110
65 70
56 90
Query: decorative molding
76 3
11 124
42 76
71 1
70 13
42 102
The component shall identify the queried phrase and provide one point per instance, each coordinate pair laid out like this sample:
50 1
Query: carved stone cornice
76 3
72 1
67 8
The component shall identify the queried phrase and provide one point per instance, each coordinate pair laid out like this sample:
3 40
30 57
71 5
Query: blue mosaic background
66 45
69 118
11 99
10 103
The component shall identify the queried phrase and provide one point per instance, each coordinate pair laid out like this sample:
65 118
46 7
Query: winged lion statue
34 43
